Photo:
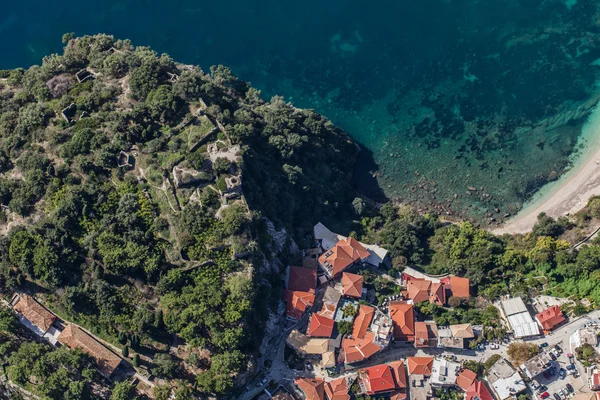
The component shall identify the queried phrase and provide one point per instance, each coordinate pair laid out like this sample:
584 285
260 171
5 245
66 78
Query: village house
300 293
506 382
75 337
419 371
586 335
383 379
403 319
320 349
337 389
594 379
444 372
352 285
341 256
550 318
536 365
478 391
465 379
420 290
331 299
426 334
320 326
35 317
362 343
455 336
312 388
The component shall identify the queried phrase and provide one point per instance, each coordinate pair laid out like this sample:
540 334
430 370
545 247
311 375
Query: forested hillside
133 190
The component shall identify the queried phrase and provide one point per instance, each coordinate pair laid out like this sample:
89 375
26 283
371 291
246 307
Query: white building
505 380
444 372
520 321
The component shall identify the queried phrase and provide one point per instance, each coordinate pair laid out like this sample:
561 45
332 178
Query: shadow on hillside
363 178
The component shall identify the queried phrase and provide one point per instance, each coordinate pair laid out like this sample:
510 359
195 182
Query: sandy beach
571 192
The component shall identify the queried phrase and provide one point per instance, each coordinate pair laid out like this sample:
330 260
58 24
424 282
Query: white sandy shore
571 192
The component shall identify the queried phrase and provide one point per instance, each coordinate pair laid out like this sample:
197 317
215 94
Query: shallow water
466 106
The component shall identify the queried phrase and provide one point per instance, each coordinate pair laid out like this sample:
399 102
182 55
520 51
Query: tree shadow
363 178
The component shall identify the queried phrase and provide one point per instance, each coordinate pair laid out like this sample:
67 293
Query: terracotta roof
75 337
345 253
352 285
306 345
550 317
403 318
337 389
462 331
425 334
313 389
35 312
378 379
398 395
437 294
418 290
298 302
320 326
459 287
419 365
399 374
359 349
465 379
328 310
302 279
362 321
478 391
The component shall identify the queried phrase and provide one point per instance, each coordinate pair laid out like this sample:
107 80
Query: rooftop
313 389
35 312
536 365
514 306
307 345
362 321
444 372
320 326
302 279
337 389
352 285
74 337
550 317
459 287
419 365
345 253
298 302
478 391
425 334
378 379
462 331
403 318
465 379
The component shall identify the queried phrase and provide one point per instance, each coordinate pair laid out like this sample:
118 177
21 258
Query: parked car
556 396
535 385
555 352
545 344
557 347
562 373
571 358
564 392
552 356
571 367
569 388
263 381
494 346
542 389
545 395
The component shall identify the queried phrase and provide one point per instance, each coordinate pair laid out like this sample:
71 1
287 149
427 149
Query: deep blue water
445 94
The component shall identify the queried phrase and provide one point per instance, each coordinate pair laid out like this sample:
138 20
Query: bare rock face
185 177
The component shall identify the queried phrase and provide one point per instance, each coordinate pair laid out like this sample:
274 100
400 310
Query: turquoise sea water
465 106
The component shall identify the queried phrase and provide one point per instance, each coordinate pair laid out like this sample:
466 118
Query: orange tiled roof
437 294
302 279
398 395
459 287
35 312
74 337
425 334
465 379
320 326
403 318
418 290
328 310
362 321
345 253
478 391
298 302
399 373
337 389
313 389
352 285
359 349
550 317
378 379
419 365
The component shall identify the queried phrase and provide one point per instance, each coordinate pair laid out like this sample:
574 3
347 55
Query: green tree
164 366
124 391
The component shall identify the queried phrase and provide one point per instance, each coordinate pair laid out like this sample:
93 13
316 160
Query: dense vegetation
119 181
542 261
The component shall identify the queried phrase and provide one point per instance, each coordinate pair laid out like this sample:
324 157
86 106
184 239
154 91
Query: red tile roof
298 302
345 253
418 290
313 389
362 321
550 317
425 334
34 312
320 326
419 365
403 318
478 391
378 379
337 389
459 287
437 294
352 285
302 279
399 374
328 310
359 349
465 379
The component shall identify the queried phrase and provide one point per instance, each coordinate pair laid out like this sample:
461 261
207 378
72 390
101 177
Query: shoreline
571 192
